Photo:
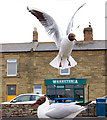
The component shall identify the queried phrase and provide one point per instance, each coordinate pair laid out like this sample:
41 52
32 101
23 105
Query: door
11 92
79 95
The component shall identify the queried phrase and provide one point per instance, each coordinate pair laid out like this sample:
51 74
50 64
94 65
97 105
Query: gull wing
70 25
61 110
49 24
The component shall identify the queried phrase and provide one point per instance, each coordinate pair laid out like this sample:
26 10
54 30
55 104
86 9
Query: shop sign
64 81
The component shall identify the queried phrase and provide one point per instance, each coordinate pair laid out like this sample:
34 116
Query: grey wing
70 25
49 24
60 110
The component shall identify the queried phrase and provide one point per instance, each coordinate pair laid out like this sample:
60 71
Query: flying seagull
64 43
58 110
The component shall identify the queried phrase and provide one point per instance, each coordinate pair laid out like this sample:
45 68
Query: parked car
105 97
24 99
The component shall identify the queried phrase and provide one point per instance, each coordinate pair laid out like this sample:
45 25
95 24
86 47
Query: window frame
11 61
67 73
39 88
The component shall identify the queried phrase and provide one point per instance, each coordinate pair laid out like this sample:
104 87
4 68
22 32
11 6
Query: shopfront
67 88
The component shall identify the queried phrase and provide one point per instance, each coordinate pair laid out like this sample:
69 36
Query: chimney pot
35 35
88 34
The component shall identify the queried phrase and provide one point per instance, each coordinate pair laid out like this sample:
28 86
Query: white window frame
38 90
11 61
66 73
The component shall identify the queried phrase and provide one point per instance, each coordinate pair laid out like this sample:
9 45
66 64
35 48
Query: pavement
77 118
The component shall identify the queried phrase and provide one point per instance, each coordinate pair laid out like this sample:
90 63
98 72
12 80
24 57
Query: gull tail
84 104
63 62
73 115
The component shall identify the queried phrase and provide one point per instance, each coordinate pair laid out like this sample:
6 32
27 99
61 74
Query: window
65 71
23 98
34 97
37 89
11 67
12 90
67 91
79 95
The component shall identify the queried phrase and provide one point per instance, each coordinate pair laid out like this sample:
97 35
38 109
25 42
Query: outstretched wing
70 25
49 24
62 110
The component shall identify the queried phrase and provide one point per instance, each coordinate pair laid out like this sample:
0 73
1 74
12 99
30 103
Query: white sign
65 81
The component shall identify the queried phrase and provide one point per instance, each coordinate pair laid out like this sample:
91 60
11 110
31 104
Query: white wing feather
49 24
58 110
70 25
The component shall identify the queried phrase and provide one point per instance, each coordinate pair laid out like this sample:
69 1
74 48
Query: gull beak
75 40
33 104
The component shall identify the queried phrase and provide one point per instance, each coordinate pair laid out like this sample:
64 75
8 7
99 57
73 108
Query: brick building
25 69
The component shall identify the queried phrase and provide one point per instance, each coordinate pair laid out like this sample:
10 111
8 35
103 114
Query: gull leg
60 65
69 64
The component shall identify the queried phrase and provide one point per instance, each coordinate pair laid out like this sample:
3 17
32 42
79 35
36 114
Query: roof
95 45
80 45
16 47
46 47
26 47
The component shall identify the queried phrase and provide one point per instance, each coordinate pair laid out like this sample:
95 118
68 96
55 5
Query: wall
9 111
91 65
26 111
106 70
33 68
0 76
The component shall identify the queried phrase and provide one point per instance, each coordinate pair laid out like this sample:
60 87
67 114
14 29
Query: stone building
25 69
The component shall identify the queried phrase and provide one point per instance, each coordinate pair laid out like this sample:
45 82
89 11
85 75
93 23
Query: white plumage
58 110
64 54
64 43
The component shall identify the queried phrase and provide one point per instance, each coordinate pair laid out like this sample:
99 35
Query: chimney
88 34
35 35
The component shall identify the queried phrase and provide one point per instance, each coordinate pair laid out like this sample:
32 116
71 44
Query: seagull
58 110
64 43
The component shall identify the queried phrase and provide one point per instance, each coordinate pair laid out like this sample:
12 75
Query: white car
24 99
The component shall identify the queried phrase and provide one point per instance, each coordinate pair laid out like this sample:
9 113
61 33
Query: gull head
71 37
40 100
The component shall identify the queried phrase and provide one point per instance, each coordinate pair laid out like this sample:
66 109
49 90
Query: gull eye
40 100
71 36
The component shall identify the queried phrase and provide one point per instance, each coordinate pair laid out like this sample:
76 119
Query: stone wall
0 111
26 111
23 110
106 68
0 76
89 112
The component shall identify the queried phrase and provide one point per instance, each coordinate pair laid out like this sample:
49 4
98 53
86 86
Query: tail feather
74 114
63 61
84 104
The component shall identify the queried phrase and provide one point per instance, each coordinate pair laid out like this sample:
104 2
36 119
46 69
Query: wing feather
57 110
70 25
49 24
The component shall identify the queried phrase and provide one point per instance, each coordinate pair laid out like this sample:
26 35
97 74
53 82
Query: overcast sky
16 23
